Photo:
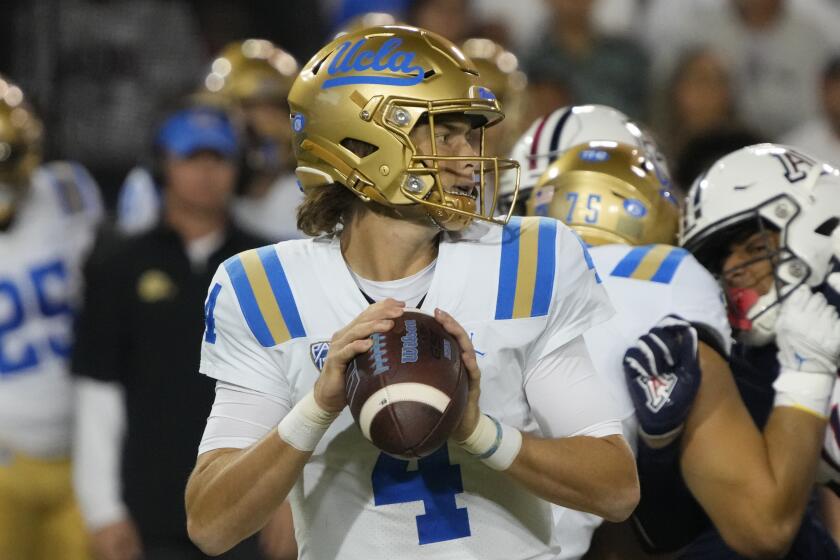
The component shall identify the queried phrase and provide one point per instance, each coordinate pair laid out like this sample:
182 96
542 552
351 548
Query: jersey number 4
47 280
435 482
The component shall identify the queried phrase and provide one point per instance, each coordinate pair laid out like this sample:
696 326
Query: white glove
808 333
808 337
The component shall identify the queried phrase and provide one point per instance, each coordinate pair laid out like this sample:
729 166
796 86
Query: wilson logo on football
318 352
353 58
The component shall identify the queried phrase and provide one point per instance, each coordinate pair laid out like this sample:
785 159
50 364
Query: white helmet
766 184
550 136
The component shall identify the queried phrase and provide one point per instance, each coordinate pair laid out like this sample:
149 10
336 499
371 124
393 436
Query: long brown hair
324 208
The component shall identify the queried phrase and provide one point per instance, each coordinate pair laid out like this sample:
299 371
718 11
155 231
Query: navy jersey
669 518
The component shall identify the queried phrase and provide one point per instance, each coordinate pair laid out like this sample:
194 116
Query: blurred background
698 72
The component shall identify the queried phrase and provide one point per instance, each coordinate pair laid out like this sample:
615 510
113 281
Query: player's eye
758 248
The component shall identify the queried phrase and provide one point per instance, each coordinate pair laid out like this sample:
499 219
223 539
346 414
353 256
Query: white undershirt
410 289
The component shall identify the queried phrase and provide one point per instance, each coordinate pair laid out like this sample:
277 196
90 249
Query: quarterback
388 130
48 214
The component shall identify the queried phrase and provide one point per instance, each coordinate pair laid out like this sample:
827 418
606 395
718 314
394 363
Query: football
408 392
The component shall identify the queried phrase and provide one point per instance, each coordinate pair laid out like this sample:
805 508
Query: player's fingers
673 321
654 360
342 355
471 363
454 328
633 369
361 330
662 341
386 309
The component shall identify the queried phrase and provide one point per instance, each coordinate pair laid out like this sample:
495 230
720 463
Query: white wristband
809 392
305 425
496 444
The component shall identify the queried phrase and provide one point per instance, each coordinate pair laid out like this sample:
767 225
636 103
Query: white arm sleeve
97 444
567 396
240 417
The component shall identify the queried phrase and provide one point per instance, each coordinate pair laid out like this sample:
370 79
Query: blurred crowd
158 99
698 72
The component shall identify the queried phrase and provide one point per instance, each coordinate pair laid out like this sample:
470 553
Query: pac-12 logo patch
318 352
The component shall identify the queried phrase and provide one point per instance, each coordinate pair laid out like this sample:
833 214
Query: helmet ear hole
827 226
359 147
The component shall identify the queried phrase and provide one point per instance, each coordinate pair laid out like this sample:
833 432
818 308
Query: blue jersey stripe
60 192
247 301
546 257
631 261
665 273
209 319
282 291
508 269
587 257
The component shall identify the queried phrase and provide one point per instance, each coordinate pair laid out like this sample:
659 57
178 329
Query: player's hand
346 344
117 541
472 411
808 333
663 376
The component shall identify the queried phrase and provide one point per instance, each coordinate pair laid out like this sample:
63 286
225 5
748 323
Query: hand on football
663 376
472 411
346 344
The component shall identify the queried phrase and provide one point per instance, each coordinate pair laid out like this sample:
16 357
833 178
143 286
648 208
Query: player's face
454 136
204 181
750 262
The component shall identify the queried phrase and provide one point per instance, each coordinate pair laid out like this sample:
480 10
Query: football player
610 194
761 220
551 135
48 214
388 126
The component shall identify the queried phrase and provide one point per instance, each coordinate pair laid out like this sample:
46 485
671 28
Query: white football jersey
645 284
521 292
39 281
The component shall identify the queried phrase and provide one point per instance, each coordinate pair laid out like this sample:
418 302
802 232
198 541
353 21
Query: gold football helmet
607 192
499 70
372 87
20 146
252 70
